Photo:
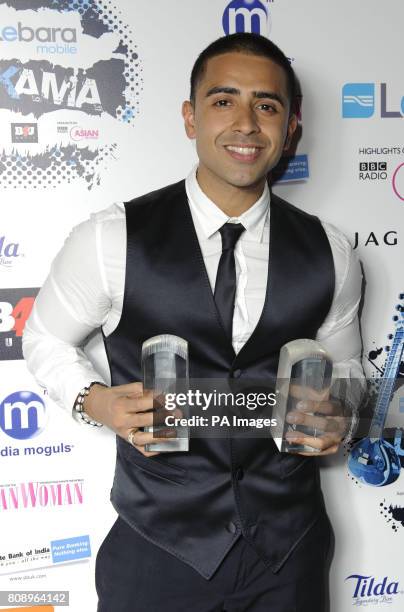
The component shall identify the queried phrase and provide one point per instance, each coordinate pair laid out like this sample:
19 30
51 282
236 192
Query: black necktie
225 286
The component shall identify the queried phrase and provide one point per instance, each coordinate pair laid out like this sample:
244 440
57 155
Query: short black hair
253 44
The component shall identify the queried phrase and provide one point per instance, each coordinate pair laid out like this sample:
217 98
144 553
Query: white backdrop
121 135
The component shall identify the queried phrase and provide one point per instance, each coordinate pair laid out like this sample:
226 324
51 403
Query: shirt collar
211 218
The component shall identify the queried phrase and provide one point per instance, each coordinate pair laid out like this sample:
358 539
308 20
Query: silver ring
130 436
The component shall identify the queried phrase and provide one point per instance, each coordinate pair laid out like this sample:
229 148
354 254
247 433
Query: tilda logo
8 251
246 16
368 589
24 33
22 415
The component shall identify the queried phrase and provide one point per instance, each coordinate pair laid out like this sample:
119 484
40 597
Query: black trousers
133 575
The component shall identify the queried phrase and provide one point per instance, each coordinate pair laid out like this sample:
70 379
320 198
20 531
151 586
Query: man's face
240 119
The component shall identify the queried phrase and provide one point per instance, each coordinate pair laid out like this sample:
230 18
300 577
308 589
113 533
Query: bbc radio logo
24 133
22 415
247 16
372 171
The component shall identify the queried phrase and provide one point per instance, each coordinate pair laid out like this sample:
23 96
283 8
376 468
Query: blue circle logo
22 415
246 16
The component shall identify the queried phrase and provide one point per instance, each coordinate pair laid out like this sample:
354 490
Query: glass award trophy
304 371
165 370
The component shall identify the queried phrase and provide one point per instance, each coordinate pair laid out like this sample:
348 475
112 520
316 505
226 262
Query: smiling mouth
243 153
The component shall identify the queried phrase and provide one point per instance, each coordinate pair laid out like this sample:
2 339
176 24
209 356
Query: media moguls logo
246 16
366 587
22 415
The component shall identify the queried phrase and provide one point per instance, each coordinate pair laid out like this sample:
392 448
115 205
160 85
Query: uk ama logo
246 16
22 415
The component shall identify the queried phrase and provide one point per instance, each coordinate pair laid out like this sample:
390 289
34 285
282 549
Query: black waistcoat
194 504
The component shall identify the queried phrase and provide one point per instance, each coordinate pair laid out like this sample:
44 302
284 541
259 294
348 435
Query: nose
245 120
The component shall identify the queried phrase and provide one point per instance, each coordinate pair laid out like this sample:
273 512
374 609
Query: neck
232 200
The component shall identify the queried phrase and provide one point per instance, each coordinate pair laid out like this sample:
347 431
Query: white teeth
243 150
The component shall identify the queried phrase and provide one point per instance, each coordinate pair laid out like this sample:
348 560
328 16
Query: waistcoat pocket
153 465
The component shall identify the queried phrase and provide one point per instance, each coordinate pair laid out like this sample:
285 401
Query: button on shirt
84 292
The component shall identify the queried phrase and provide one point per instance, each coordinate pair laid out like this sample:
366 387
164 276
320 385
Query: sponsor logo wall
90 97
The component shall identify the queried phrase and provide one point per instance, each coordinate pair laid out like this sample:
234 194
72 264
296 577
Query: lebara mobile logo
371 590
246 16
22 415
23 33
358 100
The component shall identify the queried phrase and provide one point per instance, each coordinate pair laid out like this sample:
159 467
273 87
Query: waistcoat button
231 527
236 373
252 530
239 473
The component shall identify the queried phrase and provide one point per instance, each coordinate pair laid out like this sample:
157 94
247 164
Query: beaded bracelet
78 409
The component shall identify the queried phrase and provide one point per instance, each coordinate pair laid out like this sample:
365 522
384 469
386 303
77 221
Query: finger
324 424
322 443
135 387
156 417
330 451
140 438
327 408
303 392
142 403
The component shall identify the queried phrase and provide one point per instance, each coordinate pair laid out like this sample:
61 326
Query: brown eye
268 107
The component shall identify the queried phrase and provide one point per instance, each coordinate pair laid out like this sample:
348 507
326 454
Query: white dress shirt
84 291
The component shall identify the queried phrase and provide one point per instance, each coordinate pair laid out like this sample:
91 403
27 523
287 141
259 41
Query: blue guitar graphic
373 460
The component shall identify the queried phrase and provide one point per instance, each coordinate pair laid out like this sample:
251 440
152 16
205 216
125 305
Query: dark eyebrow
227 90
236 92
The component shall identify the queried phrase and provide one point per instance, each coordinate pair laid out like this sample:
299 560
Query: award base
172 445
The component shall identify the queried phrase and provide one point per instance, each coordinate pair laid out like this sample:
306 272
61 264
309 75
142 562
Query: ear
188 112
292 125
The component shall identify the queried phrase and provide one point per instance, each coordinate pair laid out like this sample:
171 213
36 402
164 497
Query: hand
125 408
317 411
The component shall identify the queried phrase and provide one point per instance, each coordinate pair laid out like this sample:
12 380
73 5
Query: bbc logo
373 166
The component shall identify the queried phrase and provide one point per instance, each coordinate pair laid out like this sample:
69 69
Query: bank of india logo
22 415
71 61
358 100
247 16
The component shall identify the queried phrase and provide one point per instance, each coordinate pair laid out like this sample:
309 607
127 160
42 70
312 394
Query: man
232 524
